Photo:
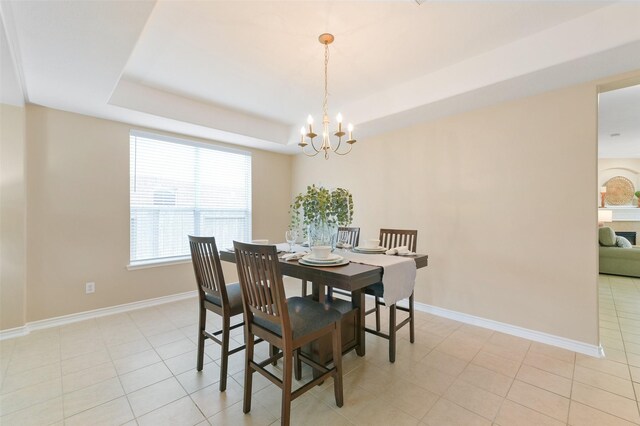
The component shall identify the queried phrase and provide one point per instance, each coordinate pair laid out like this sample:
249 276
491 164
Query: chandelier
326 146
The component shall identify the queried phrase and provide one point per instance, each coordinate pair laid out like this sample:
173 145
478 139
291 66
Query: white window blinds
181 188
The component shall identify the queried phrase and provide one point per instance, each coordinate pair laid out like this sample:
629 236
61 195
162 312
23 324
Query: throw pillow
622 242
606 236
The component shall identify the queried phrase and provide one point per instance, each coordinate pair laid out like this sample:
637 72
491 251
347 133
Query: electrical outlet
90 288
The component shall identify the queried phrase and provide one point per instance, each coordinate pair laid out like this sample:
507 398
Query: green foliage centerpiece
319 212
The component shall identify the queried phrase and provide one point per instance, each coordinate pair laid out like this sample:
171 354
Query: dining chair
352 236
286 323
391 238
215 296
349 234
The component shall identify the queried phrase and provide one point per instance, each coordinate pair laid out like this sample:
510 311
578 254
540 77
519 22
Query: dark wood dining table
353 277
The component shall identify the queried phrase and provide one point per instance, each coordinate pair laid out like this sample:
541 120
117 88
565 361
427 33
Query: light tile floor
139 368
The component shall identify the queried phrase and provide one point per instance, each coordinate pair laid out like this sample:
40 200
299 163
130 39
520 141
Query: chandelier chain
326 78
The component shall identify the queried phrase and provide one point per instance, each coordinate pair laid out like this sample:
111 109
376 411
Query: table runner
398 273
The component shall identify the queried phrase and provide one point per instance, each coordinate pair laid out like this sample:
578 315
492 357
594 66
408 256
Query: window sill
156 263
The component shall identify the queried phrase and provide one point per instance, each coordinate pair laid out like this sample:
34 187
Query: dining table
352 277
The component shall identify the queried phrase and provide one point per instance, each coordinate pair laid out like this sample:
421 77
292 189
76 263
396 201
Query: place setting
371 246
322 256
318 255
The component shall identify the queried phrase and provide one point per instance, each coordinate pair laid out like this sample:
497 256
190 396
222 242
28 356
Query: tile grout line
624 345
167 367
628 367
36 384
513 380
573 380
443 396
6 368
117 375
102 381
60 365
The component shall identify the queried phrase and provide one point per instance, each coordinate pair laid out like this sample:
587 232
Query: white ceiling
10 87
619 123
266 59
249 72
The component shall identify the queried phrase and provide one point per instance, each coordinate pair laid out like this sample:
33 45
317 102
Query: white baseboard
537 336
96 313
514 330
10 333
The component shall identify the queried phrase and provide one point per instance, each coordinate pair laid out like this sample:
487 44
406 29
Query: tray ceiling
249 72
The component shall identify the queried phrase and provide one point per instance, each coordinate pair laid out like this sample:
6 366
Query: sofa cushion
622 242
619 261
606 236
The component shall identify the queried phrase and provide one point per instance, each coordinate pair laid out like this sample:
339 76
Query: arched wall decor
620 191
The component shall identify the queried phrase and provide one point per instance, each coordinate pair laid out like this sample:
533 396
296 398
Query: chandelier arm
314 146
310 155
343 153
337 146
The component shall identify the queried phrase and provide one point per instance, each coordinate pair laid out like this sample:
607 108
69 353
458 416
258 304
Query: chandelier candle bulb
310 122
350 127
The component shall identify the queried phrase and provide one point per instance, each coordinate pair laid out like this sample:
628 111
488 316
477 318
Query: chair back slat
261 284
391 238
207 267
352 235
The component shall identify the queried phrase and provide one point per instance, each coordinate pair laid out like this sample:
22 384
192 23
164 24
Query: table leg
357 300
318 290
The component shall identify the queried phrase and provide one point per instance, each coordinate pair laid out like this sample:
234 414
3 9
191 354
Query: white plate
370 250
340 263
333 258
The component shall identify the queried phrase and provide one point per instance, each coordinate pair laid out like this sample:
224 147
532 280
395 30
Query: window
180 188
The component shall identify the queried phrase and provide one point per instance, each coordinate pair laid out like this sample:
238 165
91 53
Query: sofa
617 255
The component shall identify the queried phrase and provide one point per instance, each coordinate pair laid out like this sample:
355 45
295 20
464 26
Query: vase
322 234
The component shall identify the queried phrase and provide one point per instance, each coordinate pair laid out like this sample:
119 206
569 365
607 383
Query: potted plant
319 212
637 194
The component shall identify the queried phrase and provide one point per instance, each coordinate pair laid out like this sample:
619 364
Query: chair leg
329 292
224 352
287 373
377 313
412 333
297 364
201 326
303 291
272 351
392 333
248 372
337 362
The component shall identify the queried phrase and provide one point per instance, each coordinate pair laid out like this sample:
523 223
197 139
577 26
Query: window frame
176 260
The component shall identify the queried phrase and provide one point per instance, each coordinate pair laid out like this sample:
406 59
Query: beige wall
503 199
78 215
12 217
